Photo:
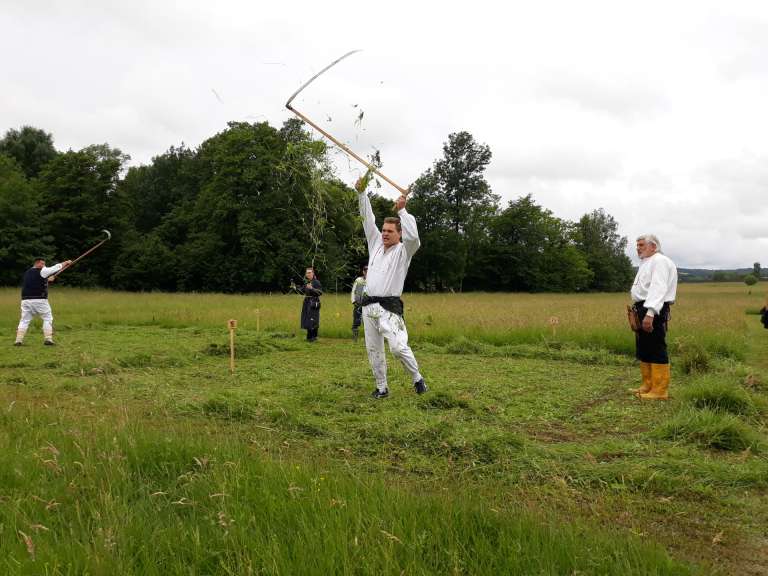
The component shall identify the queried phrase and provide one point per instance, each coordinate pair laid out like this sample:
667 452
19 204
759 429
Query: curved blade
109 236
308 82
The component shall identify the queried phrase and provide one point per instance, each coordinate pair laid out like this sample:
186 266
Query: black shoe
49 343
378 394
420 386
17 343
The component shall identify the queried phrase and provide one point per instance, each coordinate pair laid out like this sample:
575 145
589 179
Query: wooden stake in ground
554 321
232 324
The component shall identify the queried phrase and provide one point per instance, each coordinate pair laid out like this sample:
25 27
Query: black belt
390 303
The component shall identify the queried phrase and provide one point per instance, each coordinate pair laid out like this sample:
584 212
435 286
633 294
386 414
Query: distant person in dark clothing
34 299
764 315
310 309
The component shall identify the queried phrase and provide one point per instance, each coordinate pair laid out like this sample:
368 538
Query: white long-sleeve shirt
46 271
655 283
387 268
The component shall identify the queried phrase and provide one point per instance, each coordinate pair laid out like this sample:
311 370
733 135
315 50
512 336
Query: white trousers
30 309
379 325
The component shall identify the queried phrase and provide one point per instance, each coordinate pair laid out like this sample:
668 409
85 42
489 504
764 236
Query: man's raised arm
410 232
372 233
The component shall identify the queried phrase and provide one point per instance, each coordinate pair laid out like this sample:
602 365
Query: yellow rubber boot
659 383
645 371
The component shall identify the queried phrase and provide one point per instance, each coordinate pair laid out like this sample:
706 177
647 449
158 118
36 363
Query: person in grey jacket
358 290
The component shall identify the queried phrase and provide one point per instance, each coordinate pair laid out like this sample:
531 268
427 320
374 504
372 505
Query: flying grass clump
711 429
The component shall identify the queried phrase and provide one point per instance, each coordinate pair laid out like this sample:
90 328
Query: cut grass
720 396
703 316
711 429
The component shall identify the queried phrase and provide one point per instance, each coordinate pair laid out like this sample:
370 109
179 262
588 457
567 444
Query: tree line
253 205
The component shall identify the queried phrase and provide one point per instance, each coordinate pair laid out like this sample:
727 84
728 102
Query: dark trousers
651 347
312 334
357 317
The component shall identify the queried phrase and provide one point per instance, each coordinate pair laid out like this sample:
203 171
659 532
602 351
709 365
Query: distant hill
706 275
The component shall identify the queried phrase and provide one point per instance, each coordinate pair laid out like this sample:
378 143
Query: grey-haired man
653 292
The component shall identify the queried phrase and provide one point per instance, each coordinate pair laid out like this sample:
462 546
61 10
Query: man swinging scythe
34 294
389 255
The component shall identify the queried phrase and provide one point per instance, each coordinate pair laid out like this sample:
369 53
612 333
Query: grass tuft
443 401
692 357
721 396
227 408
711 429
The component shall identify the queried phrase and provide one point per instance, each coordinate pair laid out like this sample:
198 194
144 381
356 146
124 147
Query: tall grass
107 499
708 316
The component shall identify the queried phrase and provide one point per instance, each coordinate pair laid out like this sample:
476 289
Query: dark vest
35 287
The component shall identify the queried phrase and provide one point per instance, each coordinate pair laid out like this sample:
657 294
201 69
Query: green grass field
129 448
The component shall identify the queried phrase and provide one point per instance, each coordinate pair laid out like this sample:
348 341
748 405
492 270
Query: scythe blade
316 76
368 165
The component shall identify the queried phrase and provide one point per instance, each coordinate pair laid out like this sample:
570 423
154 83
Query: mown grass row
143 498
702 316
719 414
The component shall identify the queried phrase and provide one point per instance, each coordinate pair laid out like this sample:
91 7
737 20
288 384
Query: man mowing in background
653 292
34 299
388 262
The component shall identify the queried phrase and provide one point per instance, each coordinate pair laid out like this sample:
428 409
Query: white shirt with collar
387 267
655 283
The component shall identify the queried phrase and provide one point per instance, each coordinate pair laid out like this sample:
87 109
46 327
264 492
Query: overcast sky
654 111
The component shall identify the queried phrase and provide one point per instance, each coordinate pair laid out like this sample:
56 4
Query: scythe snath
368 165
84 254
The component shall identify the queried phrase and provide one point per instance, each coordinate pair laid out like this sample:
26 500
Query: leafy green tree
253 205
454 205
228 228
459 179
598 239
31 147
532 250
756 270
77 194
150 193
267 206
750 279
145 263
22 236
